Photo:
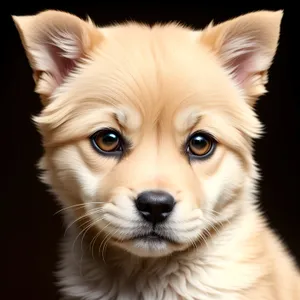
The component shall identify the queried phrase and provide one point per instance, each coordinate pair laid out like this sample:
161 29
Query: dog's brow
187 119
121 117
130 123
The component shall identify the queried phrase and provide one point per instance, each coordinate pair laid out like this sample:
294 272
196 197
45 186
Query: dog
148 136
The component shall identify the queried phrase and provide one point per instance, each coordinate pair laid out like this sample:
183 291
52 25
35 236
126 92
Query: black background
30 228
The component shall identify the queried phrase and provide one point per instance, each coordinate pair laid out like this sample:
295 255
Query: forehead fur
142 76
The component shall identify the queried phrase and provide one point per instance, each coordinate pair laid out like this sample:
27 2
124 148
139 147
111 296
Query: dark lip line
153 234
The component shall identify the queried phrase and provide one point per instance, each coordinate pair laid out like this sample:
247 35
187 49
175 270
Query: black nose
155 206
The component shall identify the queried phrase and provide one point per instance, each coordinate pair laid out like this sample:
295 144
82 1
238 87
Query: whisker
85 230
93 242
74 242
221 222
103 241
87 214
88 228
203 238
215 213
97 235
106 240
213 224
92 222
77 206
193 243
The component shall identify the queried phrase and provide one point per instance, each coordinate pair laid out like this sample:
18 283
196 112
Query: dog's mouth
153 237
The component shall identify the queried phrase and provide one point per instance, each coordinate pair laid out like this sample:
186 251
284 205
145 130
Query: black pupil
110 139
199 142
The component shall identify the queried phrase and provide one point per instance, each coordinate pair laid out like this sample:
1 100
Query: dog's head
148 131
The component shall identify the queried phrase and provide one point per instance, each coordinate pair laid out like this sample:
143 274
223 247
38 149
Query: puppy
148 145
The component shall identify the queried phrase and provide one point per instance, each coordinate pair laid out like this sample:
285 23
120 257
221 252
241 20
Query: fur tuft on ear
246 47
55 42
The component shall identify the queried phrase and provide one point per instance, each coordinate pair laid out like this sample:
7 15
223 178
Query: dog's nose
155 206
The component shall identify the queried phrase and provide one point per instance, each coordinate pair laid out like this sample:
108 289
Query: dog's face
148 131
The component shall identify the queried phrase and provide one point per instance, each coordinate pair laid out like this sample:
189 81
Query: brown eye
107 141
200 145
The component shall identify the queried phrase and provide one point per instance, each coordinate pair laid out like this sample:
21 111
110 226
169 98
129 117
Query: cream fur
157 86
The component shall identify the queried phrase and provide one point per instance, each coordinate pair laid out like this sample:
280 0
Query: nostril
167 207
155 206
142 205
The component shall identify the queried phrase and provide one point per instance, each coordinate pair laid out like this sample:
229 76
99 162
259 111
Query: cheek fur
72 172
220 187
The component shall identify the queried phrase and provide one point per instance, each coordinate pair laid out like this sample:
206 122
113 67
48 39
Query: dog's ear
55 42
246 46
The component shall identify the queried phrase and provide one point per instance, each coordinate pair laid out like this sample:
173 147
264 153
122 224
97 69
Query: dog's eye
107 141
201 145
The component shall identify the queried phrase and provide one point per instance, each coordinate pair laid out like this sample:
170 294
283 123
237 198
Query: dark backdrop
31 231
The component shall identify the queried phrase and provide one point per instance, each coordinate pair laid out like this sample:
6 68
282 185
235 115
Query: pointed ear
246 46
55 42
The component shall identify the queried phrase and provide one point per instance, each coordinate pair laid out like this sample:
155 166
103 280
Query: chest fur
188 277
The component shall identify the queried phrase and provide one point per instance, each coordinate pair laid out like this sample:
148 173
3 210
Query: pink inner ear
242 66
242 57
61 65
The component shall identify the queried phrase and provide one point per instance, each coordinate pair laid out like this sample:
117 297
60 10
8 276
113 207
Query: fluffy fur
157 85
